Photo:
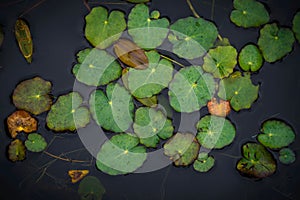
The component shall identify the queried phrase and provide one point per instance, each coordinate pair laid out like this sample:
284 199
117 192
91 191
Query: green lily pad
121 155
276 134
101 29
215 132
35 142
257 161
204 163
287 156
249 13
151 81
192 37
113 111
96 67
191 89
148 31
296 25
250 58
68 114
182 149
275 42
220 61
239 90
151 125
16 151
90 188
1 35
33 95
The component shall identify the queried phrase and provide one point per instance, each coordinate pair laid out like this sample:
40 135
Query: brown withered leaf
219 107
77 175
24 39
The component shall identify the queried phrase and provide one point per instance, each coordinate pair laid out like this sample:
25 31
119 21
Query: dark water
57 29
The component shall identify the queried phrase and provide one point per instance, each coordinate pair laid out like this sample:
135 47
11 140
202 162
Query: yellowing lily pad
250 58
35 142
204 162
24 39
16 151
90 188
287 156
77 174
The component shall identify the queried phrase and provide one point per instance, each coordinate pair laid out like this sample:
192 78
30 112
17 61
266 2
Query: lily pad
192 37
151 125
76 175
287 156
151 81
102 29
164 105
249 13
215 132
239 90
16 151
90 188
182 149
250 58
296 25
68 114
149 101
275 42
276 134
204 163
113 111
147 30
35 142
96 67
220 61
218 107
191 89
257 161
121 155
33 95
24 39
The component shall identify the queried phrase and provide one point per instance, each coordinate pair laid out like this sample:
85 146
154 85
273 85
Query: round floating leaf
239 90
90 188
35 142
101 29
150 125
218 107
121 155
33 95
192 37
113 111
68 114
204 163
296 25
287 156
191 89
147 31
215 132
96 67
249 13
276 134
220 61
257 161
16 151
150 81
250 58
182 149
275 42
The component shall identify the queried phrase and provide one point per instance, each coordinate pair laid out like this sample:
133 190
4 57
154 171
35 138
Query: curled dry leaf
218 107
21 121
24 39
77 175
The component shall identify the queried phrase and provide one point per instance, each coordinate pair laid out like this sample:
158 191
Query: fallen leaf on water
219 107
77 175
16 151
24 39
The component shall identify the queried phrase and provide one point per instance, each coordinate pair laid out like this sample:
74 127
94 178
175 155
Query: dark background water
57 29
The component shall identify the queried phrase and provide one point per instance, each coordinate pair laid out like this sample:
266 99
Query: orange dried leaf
218 107
77 175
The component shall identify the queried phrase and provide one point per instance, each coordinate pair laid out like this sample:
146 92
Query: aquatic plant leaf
275 42
276 134
249 13
90 188
287 156
215 132
192 37
121 155
23 37
182 149
16 151
257 161
68 114
239 90
222 42
35 142
151 125
102 29
138 1
164 105
296 25
218 107
149 101
96 67
151 81
220 61
33 95
20 121
1 35
148 31
250 58
76 175
191 89
114 110
204 162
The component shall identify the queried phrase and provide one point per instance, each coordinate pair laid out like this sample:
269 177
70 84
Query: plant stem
174 61
65 159
192 9
31 8
85 2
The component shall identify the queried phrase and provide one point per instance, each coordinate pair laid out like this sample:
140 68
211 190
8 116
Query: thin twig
31 8
10 3
112 3
66 159
229 156
85 2
174 61
192 9
212 10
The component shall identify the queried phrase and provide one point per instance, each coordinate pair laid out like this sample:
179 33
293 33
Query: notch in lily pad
204 162
35 142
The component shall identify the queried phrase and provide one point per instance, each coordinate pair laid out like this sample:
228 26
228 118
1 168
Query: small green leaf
16 151
276 134
24 39
90 188
287 156
250 58
204 163
35 142
296 25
